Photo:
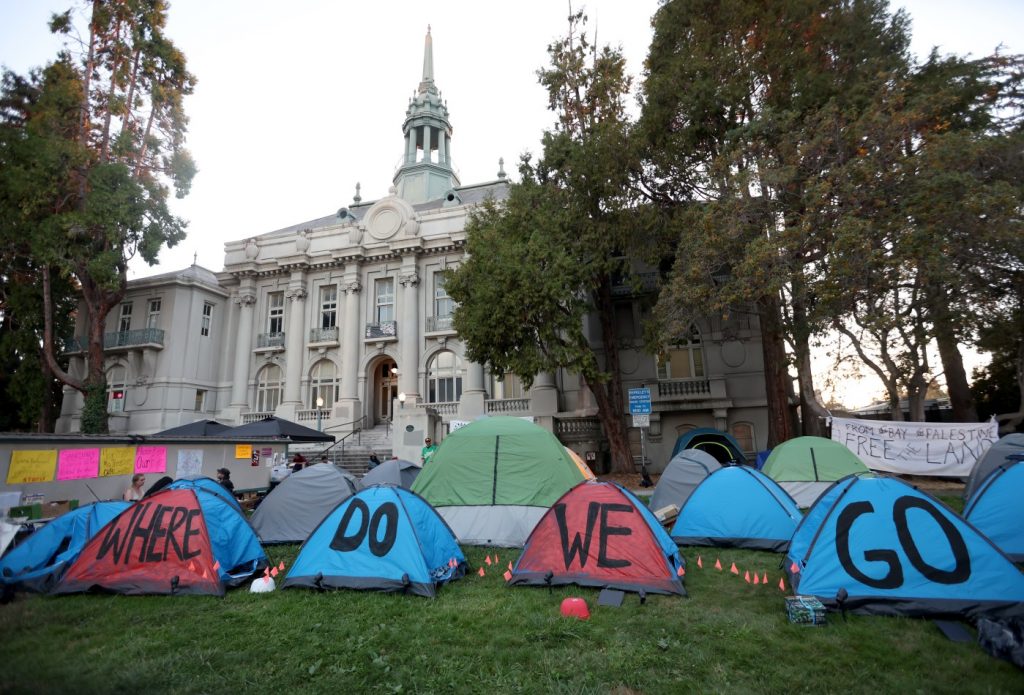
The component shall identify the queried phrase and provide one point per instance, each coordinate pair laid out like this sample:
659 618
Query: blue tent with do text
384 538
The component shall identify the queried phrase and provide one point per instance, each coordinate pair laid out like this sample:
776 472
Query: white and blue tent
996 509
876 545
40 560
384 538
737 507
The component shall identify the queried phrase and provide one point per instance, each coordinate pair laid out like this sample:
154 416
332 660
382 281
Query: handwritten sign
190 463
243 451
75 464
117 461
150 459
918 448
31 466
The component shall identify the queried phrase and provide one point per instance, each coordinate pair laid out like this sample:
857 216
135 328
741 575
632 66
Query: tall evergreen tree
114 123
542 261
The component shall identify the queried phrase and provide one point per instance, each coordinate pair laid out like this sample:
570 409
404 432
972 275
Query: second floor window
275 312
204 328
444 378
269 384
153 318
685 359
329 306
443 304
385 298
125 323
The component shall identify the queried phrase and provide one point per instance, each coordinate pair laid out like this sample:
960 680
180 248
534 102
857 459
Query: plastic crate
805 610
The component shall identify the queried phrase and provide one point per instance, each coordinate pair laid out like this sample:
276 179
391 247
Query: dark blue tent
719 444
996 509
39 561
384 538
877 545
737 507
208 484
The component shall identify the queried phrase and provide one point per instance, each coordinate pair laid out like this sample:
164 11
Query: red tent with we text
178 541
599 534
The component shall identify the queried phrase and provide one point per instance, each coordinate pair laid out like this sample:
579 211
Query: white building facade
343 323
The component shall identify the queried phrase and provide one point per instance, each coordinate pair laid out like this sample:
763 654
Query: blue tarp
39 561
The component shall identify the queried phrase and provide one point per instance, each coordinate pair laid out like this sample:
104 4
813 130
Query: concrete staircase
353 455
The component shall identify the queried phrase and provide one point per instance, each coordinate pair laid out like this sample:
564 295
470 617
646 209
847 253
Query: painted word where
165 533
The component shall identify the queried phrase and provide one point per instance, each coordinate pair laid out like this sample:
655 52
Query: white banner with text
916 448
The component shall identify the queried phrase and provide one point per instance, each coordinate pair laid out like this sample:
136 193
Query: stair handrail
358 423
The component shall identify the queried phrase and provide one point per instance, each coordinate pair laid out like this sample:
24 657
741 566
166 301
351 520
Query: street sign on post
639 401
642 420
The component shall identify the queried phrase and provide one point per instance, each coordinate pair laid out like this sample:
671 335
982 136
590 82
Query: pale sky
298 102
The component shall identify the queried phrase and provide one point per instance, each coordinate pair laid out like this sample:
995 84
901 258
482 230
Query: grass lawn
480 637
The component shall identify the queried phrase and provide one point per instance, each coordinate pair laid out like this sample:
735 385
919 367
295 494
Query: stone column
410 147
544 400
348 408
246 301
428 138
351 338
294 344
409 332
473 403
442 149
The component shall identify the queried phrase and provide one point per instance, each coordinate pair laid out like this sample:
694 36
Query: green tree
543 260
115 125
746 115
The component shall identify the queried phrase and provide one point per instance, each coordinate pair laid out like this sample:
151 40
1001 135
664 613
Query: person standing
427 451
224 478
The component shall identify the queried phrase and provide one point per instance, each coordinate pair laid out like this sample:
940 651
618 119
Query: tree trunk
812 413
780 423
960 396
609 394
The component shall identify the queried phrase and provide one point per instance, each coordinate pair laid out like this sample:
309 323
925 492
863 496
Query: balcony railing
385 330
684 388
439 323
508 405
255 417
323 335
152 337
447 408
270 340
577 428
310 415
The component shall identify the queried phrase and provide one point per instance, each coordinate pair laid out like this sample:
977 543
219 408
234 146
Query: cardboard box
55 508
666 513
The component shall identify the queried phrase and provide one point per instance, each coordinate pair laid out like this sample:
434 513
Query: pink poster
150 459
74 464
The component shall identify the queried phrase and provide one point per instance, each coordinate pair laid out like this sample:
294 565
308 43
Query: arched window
117 389
444 378
268 388
509 386
323 383
743 433
684 359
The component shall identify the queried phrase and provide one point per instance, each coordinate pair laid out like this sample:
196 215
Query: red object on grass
574 607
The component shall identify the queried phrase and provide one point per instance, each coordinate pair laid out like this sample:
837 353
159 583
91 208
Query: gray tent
992 459
394 472
294 508
684 472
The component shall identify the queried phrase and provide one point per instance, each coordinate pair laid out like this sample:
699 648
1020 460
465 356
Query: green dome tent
806 466
493 479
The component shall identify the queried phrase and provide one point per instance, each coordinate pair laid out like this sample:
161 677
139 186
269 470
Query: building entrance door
386 389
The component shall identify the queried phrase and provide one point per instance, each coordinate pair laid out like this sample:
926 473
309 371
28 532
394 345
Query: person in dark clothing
374 461
224 478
